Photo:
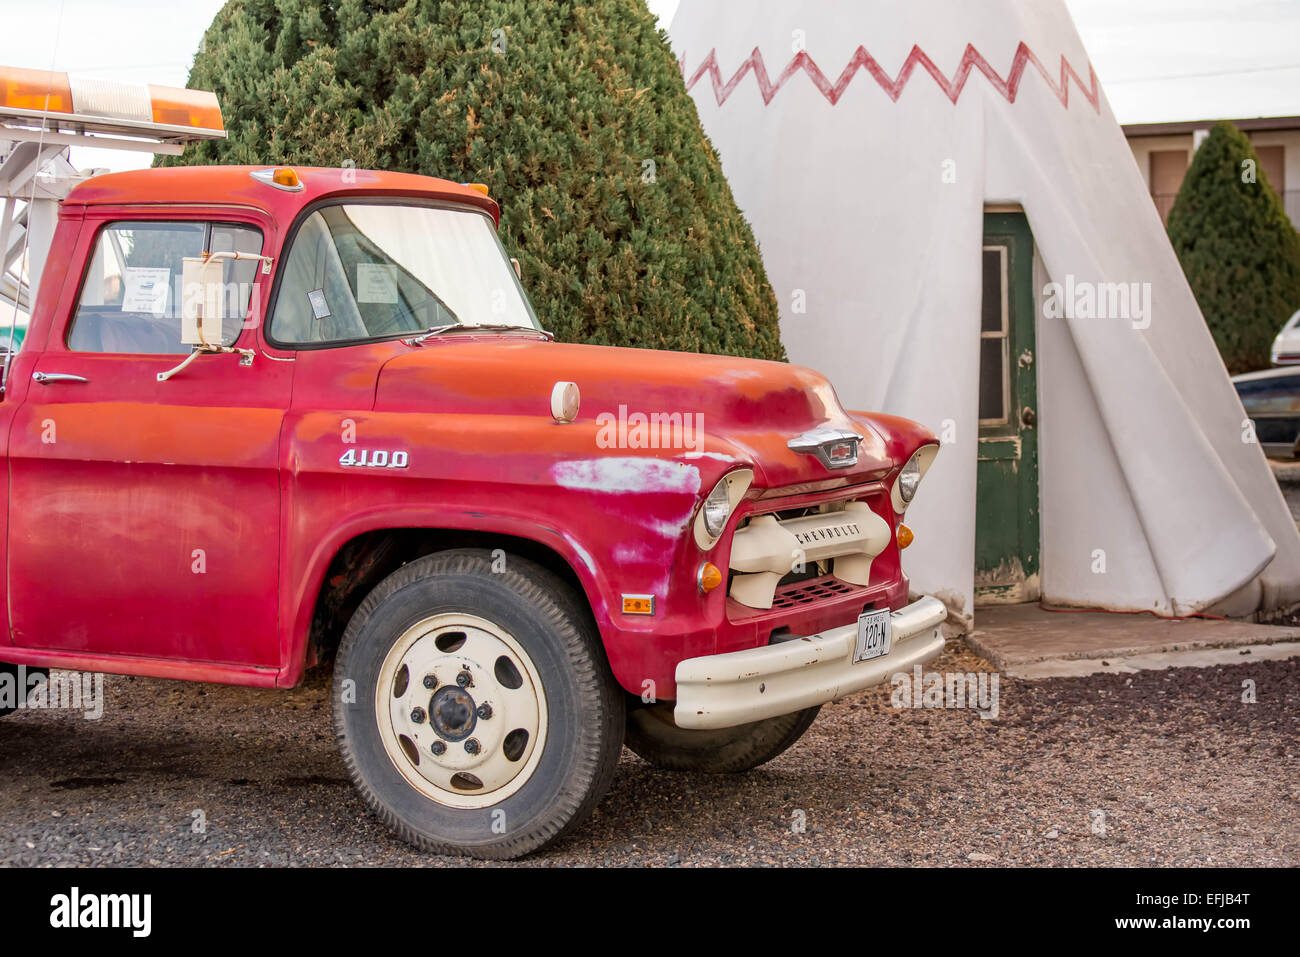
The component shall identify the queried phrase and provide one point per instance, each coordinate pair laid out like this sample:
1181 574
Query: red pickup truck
268 418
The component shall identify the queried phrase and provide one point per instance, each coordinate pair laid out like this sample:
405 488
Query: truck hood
746 410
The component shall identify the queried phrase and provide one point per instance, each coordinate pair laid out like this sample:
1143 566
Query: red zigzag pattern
893 87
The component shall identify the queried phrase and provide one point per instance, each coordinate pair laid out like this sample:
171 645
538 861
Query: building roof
1254 124
235 185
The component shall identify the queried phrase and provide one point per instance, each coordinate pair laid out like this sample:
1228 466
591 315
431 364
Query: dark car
1272 400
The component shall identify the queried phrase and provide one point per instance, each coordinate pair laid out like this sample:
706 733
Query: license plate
874 635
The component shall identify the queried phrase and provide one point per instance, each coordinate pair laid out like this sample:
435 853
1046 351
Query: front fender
303 586
619 519
902 437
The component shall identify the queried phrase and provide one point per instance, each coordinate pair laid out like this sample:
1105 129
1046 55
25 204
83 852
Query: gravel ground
1184 771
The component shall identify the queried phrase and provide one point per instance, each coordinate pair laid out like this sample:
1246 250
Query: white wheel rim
472 760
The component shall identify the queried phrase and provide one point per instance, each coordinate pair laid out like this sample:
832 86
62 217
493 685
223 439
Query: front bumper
722 691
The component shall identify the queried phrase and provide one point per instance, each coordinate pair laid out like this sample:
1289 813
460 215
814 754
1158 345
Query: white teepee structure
867 142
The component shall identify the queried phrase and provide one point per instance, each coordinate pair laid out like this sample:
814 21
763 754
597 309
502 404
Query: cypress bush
573 113
1240 251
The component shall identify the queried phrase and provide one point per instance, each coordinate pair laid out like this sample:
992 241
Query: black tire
652 734
9 674
584 704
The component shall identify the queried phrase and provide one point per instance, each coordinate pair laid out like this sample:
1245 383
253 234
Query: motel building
1164 152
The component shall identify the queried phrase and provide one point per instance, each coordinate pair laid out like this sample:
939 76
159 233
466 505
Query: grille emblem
834 448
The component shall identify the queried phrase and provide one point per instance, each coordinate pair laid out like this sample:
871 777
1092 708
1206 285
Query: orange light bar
194 108
38 90
92 101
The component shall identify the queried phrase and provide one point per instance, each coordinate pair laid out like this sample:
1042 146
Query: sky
1159 60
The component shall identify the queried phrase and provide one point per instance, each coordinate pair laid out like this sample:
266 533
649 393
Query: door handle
46 378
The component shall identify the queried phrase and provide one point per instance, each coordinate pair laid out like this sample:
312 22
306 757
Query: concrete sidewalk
1029 642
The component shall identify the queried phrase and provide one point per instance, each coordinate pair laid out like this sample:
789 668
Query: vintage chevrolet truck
265 419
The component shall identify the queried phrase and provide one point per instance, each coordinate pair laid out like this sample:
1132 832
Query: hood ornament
834 448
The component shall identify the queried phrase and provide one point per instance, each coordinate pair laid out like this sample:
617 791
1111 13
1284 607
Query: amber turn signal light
905 536
638 604
710 577
284 176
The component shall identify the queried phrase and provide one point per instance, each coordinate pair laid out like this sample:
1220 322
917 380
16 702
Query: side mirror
203 306
519 270
202 302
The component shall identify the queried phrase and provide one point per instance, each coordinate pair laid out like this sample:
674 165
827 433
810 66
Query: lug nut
472 746
484 711
465 679
417 715
438 748
431 681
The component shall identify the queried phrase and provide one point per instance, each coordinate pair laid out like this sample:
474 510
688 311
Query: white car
1286 347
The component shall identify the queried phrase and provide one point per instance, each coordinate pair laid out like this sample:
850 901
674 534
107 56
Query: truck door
144 515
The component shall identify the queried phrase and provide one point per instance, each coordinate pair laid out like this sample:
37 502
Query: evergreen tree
573 113
1240 251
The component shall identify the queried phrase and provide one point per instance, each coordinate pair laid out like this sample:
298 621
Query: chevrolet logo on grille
813 536
834 448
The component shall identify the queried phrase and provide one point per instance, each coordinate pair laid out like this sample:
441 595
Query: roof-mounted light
281 177
57 100
478 187
193 108
37 90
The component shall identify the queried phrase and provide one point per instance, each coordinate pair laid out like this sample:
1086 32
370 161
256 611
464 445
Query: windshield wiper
474 327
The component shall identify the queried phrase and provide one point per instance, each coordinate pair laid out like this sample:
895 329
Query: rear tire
427 650
652 734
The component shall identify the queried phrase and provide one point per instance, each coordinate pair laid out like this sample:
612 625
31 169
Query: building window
995 365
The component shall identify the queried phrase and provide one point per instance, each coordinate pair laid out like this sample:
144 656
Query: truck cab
270 418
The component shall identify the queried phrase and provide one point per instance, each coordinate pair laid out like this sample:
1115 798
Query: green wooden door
1006 517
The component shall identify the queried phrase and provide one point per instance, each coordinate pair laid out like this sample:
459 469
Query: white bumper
722 691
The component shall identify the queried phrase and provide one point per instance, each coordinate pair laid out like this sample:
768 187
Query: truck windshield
373 271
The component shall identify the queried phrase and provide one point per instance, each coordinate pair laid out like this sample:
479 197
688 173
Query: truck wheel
652 734
475 711
9 674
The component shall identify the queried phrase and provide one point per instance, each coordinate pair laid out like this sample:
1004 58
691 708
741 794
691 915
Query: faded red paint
242 463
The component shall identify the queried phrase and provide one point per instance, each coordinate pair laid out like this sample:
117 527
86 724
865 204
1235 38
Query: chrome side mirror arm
245 358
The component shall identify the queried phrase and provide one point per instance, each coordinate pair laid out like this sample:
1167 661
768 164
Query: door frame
1016 440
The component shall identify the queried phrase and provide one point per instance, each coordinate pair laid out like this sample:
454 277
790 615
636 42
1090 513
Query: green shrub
1240 251
575 116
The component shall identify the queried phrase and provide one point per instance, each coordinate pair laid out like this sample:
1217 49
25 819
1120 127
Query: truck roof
226 185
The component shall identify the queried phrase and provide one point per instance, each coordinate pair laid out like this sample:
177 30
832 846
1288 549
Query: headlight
909 477
717 509
711 519
909 480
